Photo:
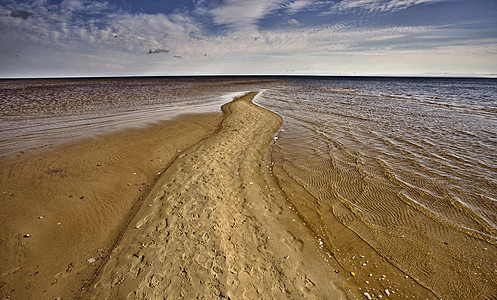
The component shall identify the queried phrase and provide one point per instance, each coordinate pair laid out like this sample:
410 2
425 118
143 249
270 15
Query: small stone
92 260
27 235
368 296
69 267
352 273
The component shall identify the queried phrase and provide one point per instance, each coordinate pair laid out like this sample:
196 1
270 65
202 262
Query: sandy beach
64 208
187 208
210 228
191 207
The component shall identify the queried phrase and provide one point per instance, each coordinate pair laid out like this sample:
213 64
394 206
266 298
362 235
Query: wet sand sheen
413 179
454 263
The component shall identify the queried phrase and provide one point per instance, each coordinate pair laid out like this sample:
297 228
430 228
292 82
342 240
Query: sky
53 38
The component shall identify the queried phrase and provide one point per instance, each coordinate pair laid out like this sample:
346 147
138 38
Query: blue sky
47 38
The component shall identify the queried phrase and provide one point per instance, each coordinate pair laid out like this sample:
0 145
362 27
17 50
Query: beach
64 208
303 188
180 209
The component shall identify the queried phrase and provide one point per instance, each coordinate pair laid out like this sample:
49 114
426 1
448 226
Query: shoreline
211 226
191 206
63 208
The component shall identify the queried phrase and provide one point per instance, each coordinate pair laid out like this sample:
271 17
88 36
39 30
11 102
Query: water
410 165
435 139
34 113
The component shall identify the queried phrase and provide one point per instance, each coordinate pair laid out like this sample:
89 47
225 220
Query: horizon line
489 76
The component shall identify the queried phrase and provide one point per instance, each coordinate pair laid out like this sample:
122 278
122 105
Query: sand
210 228
104 224
74 200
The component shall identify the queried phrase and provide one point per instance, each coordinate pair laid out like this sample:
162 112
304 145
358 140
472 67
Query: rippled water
410 165
37 112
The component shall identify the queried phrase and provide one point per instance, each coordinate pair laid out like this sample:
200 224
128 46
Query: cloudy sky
47 38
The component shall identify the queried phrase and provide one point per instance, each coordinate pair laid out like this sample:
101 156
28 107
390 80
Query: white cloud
381 5
63 26
292 22
298 5
72 5
241 14
58 38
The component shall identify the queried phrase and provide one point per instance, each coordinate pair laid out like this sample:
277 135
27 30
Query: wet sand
74 201
211 227
186 208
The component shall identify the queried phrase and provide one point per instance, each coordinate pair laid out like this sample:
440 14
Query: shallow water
34 113
410 165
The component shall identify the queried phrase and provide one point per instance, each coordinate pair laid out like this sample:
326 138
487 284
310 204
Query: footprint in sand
141 222
136 264
292 242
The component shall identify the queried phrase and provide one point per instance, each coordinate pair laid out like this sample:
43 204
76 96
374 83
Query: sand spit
211 228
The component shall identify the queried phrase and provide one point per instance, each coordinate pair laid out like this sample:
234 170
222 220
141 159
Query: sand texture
74 200
210 228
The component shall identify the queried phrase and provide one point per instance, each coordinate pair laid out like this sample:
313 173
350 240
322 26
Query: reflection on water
37 112
408 164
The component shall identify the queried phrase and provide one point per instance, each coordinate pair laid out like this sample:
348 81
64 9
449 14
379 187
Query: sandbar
186 209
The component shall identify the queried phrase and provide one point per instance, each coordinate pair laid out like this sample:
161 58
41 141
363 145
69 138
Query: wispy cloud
241 14
101 37
380 5
292 22
298 5
92 24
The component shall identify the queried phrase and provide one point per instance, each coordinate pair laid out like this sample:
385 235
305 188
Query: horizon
131 38
248 76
